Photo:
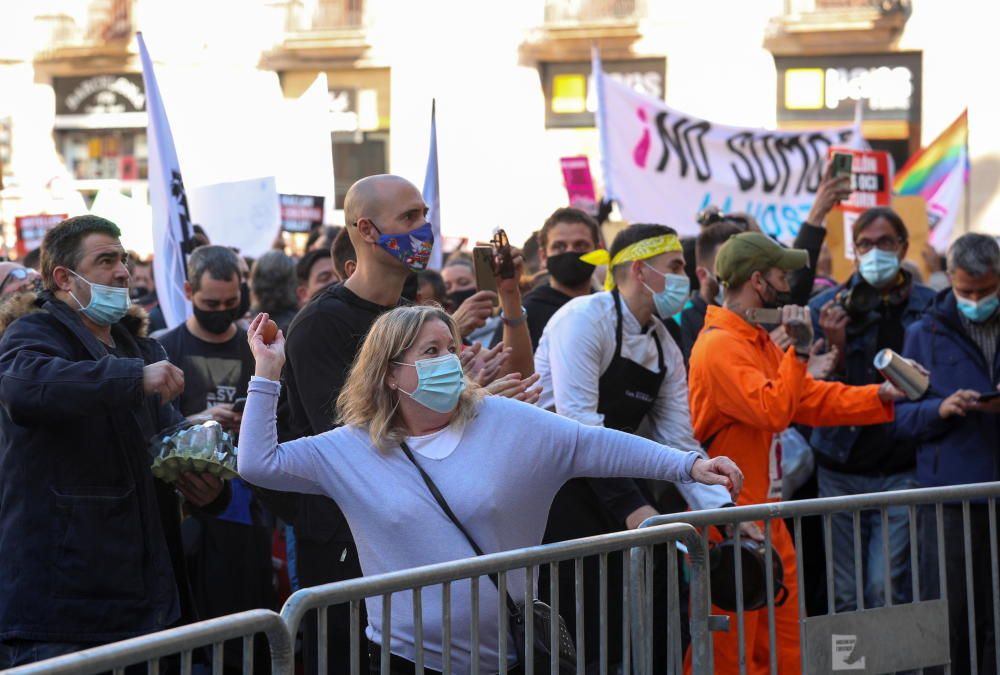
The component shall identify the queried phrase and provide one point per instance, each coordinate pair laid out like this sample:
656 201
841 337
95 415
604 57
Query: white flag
171 220
432 195
662 165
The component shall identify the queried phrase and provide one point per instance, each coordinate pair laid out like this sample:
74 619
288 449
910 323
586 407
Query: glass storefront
104 154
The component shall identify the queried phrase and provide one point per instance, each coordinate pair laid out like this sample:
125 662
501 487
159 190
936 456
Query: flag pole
968 182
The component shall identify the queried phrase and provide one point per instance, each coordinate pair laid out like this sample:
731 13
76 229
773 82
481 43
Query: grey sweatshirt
499 481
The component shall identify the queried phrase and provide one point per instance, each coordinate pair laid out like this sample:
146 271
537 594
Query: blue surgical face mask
108 304
978 311
879 267
412 248
440 382
676 289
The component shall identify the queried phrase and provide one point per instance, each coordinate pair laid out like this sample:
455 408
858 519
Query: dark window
353 160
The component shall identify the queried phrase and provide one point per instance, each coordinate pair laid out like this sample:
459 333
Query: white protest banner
662 165
245 214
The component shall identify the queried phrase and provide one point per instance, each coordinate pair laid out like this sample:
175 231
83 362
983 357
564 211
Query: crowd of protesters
596 386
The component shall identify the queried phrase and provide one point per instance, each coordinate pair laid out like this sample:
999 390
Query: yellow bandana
640 250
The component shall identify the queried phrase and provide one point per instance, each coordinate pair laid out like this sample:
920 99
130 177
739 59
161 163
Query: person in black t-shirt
229 556
388 229
566 235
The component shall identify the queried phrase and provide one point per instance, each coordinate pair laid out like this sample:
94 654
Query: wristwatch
514 323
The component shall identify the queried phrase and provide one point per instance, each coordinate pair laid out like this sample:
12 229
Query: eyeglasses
19 273
889 244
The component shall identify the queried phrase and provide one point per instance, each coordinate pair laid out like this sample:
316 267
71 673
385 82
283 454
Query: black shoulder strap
439 498
618 322
711 439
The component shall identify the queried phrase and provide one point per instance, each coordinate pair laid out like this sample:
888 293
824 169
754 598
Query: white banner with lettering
663 166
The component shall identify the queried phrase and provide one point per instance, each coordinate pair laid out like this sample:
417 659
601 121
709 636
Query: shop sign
99 94
570 94
829 87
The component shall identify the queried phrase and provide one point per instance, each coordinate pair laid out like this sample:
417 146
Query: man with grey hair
957 435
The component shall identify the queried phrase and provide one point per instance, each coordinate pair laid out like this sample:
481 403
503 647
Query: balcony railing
800 7
576 12
305 16
105 21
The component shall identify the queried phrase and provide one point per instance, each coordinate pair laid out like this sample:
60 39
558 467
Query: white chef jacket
577 347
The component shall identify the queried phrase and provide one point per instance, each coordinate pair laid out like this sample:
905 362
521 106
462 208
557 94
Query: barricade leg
757 640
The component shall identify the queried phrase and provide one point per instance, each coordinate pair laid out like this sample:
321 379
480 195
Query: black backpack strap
439 498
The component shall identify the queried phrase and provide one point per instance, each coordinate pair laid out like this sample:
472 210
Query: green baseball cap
751 252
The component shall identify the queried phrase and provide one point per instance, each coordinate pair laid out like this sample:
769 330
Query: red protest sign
579 183
871 178
31 230
871 185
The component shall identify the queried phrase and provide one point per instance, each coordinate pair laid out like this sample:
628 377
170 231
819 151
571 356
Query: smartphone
764 315
239 404
482 261
502 247
842 164
989 396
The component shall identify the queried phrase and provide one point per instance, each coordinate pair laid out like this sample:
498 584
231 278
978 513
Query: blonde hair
366 401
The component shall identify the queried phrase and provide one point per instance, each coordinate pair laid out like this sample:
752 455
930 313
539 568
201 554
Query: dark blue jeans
16 652
835 484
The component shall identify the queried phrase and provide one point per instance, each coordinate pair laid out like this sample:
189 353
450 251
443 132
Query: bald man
16 277
387 224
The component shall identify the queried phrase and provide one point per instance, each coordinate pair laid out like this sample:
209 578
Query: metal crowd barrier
471 570
181 643
888 638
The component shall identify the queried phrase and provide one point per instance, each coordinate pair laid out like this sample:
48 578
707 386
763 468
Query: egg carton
201 448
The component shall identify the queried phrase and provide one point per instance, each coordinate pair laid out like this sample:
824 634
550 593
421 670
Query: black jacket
323 340
810 238
84 526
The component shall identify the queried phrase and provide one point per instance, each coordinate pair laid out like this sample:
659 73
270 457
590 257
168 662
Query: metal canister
903 374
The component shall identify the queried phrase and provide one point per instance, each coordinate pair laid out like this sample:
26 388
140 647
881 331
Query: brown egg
269 332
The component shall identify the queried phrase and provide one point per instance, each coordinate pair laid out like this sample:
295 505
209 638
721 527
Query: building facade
511 82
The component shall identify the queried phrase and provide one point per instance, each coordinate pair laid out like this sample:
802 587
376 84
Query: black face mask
456 298
138 292
781 298
244 307
218 321
569 270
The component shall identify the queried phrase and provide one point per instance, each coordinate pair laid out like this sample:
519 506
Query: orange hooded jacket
743 391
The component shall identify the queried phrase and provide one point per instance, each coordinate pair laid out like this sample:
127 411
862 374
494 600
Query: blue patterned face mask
676 289
440 382
978 311
108 304
412 248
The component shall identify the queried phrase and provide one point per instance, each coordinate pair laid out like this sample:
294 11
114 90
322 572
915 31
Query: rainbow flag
939 173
